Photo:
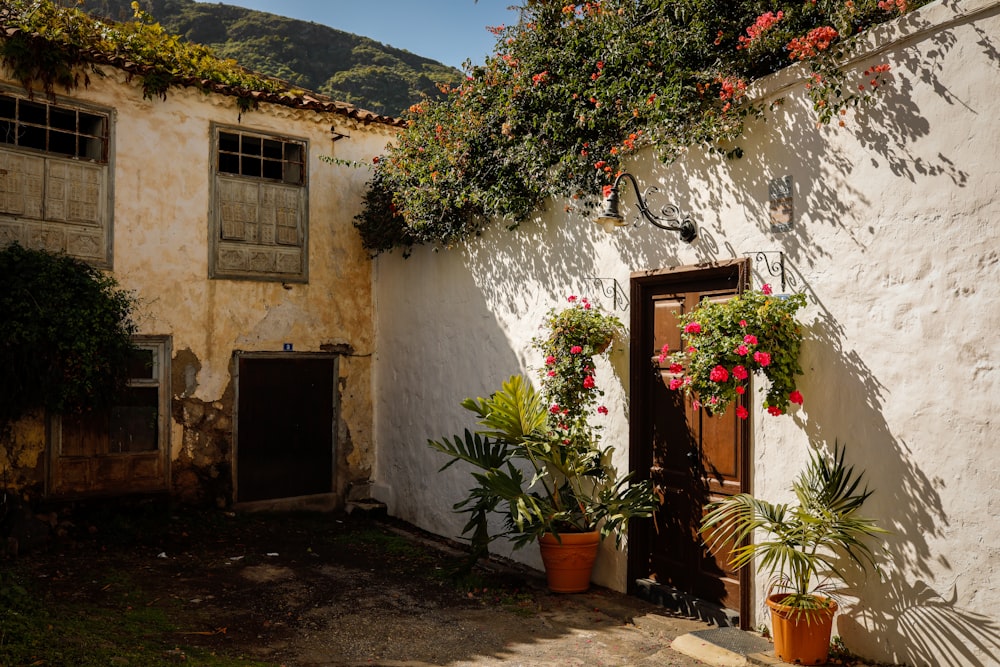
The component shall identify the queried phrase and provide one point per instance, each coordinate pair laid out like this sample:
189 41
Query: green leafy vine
575 88
50 46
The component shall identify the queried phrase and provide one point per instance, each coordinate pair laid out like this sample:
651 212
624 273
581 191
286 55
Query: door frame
234 463
642 284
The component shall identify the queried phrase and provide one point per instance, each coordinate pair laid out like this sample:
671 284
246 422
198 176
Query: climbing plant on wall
65 334
48 45
575 87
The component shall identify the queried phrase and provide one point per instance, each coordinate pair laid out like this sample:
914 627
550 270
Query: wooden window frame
59 200
93 463
259 206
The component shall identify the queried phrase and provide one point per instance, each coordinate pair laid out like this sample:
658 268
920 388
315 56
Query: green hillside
344 66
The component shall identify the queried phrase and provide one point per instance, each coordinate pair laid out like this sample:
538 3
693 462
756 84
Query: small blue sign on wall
287 347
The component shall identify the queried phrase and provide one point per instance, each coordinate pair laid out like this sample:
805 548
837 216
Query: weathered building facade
255 329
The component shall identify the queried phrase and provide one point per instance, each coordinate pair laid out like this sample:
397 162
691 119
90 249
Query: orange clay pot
568 562
801 638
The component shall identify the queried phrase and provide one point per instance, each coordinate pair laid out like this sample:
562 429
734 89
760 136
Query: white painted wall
895 242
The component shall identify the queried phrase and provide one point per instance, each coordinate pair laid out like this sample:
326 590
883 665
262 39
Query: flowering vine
573 89
725 343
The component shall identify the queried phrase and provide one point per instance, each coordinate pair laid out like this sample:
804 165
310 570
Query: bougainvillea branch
573 89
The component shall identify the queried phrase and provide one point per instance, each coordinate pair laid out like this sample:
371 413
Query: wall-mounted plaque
780 193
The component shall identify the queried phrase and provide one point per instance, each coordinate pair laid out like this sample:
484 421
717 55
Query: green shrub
65 334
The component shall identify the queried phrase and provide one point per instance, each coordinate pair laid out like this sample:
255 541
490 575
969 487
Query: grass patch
126 629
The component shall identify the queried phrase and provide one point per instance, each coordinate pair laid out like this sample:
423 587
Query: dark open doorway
285 425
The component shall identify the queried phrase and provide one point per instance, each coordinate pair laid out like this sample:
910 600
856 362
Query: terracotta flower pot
568 563
801 637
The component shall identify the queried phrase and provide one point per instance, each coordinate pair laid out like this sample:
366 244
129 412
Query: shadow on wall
426 369
537 267
923 626
909 620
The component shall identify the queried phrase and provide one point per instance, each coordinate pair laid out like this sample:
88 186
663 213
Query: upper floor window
53 128
259 207
261 157
55 189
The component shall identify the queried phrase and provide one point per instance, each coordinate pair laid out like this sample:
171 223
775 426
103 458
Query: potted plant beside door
801 549
539 462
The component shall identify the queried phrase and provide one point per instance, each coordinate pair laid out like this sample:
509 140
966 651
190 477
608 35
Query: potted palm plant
539 462
804 545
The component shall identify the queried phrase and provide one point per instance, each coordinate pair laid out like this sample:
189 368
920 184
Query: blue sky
449 31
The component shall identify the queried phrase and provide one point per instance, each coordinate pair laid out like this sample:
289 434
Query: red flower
760 26
571 298
588 382
742 350
762 358
692 327
576 349
741 412
743 323
552 374
554 409
765 289
774 410
550 360
740 373
606 190
676 383
602 410
741 390
676 368
795 397
718 374
816 40
750 339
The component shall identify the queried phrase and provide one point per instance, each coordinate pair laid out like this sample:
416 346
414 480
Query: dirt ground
221 588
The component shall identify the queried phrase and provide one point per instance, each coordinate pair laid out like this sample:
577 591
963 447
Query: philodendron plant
801 545
541 479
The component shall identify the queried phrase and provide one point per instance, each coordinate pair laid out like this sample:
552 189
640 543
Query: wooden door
286 407
691 457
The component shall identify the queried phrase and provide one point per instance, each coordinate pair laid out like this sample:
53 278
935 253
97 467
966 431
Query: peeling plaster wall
162 175
895 244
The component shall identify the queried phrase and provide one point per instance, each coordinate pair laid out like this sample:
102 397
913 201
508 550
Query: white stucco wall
896 245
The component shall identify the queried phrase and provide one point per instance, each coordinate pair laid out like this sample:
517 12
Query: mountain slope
347 67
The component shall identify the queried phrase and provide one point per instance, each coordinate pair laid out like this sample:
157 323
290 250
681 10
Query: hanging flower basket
724 343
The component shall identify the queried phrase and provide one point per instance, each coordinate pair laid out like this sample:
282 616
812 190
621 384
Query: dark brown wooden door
691 457
285 427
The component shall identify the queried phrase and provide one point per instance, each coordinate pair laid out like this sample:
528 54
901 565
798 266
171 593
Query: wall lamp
669 218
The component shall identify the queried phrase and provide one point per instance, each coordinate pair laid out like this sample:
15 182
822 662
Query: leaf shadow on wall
902 614
907 619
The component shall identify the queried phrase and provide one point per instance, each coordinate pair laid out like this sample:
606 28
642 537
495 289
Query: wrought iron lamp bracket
670 218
